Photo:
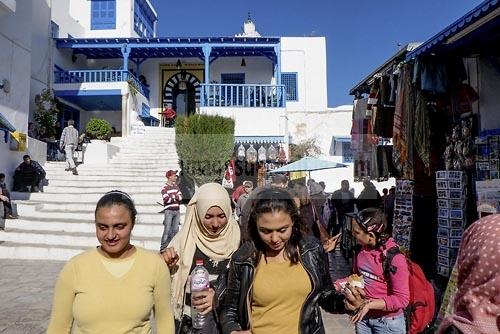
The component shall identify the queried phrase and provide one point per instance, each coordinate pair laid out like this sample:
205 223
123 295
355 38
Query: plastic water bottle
199 283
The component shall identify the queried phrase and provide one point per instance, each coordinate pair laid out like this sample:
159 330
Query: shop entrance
184 98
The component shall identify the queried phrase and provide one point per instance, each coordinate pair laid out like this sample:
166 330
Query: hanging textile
422 131
282 155
261 153
251 155
241 153
229 176
272 153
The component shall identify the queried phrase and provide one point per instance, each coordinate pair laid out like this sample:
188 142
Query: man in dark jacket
28 173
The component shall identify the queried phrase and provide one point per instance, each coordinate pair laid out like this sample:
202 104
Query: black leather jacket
234 312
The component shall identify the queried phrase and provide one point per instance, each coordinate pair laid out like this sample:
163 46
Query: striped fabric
172 196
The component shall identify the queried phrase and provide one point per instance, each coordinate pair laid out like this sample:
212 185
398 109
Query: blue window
54 29
235 93
103 14
144 19
290 82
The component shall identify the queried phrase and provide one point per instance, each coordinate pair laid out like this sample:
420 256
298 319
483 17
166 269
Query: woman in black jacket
278 280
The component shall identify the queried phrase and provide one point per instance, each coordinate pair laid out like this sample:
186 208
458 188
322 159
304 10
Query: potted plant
98 129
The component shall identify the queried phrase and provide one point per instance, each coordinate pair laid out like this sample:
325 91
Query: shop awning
479 26
259 139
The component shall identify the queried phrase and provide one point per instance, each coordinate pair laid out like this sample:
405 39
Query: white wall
15 52
80 10
307 57
323 126
67 24
253 121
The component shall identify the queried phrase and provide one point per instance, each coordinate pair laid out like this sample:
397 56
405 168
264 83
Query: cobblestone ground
26 289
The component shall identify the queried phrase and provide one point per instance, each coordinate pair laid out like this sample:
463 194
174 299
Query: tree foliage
204 144
46 113
305 148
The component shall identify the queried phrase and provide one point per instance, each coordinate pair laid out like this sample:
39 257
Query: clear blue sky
360 34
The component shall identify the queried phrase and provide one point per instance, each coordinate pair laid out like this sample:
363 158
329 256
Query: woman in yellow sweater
278 280
113 288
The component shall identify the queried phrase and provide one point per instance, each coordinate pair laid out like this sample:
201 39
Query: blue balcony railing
245 95
61 76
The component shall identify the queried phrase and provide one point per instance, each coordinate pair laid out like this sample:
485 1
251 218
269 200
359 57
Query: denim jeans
382 325
170 226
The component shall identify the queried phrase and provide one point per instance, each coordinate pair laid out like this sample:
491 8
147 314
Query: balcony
243 96
62 76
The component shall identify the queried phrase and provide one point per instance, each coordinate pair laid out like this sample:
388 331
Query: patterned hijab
477 302
194 234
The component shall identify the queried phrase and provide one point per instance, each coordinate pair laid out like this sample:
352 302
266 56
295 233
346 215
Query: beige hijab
194 234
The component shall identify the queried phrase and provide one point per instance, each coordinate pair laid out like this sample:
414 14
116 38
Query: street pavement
26 289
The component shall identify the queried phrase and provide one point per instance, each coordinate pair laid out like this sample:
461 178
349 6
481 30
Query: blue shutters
290 81
103 14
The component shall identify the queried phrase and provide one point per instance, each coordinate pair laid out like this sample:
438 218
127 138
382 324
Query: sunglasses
363 222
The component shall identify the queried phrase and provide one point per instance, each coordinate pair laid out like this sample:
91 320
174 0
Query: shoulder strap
387 262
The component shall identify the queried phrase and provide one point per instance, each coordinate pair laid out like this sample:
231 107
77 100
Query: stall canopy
308 164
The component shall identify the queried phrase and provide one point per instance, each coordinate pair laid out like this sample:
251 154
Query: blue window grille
103 14
235 92
54 29
143 19
290 82
347 156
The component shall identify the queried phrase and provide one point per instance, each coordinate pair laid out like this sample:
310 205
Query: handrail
243 95
79 76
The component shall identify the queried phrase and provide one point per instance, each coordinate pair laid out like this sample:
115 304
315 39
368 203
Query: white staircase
59 223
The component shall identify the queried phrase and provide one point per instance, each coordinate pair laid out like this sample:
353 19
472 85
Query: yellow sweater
99 302
279 291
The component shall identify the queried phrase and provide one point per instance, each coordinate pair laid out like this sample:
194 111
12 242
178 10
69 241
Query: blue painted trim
277 51
207 50
125 52
88 92
143 15
342 139
296 99
483 9
490 132
102 14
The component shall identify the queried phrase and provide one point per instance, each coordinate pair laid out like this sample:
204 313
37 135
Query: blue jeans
382 325
170 226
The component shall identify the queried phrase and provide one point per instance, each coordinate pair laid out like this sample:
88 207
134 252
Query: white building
96 54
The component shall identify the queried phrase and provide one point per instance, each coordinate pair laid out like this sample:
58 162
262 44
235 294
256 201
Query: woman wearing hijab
211 234
477 301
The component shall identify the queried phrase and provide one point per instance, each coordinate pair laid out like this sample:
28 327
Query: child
382 312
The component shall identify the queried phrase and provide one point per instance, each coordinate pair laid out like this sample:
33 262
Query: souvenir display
403 213
451 217
459 153
282 155
487 158
488 196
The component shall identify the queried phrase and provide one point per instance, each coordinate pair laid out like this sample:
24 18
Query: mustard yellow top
97 301
279 291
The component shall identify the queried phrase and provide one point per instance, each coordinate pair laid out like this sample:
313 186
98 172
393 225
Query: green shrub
204 144
98 129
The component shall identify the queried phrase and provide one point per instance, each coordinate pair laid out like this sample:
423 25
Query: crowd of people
265 250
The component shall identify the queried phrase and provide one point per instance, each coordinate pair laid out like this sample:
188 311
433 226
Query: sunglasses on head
363 222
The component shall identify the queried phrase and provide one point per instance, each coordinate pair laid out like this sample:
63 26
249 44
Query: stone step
33 251
90 198
47 208
85 240
123 184
99 188
32 224
113 172
159 178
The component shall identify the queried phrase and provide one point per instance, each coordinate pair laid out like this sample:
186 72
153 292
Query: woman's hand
363 310
170 257
331 243
354 297
203 301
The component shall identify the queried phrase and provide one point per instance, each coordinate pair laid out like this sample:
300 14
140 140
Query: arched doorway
182 92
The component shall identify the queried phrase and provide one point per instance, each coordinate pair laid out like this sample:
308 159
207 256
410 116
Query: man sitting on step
29 173
5 199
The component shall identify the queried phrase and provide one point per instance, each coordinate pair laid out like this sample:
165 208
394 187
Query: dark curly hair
373 220
275 200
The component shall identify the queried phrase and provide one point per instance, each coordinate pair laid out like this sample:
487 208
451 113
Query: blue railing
61 76
247 95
